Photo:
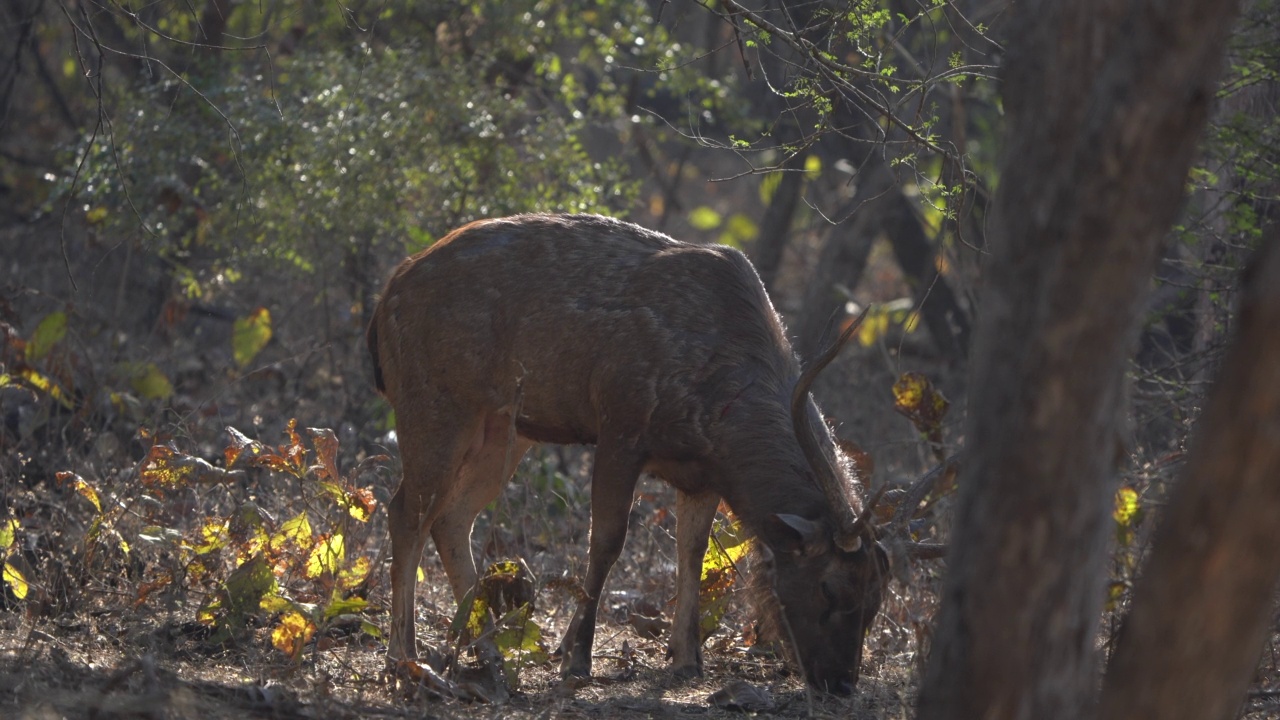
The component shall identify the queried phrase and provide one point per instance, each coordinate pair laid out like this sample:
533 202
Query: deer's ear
797 535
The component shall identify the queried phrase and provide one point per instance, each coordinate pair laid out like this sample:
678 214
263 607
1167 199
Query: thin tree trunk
775 226
1106 100
1203 605
946 320
842 261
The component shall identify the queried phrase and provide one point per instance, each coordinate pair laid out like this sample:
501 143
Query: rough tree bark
1202 607
1106 100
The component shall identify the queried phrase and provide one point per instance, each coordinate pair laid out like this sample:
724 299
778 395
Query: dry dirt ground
107 659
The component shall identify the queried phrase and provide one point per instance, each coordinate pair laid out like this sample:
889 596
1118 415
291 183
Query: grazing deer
670 359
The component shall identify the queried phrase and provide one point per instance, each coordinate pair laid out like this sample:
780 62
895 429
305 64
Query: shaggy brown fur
669 358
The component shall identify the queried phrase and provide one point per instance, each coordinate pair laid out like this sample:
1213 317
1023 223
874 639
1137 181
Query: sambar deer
670 359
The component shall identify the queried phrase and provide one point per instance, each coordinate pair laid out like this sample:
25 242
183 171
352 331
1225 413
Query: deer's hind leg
491 458
452 468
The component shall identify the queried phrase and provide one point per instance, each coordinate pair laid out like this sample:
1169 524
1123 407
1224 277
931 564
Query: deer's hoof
687 672
573 665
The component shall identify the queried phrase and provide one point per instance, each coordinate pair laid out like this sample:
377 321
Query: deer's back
587 316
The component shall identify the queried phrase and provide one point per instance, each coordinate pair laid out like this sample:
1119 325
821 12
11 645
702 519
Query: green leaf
738 231
48 333
520 641
97 215
345 606
370 629
769 185
704 218
150 383
246 586
250 334
419 239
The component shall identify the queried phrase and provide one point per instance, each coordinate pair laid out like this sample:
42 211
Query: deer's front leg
613 482
694 514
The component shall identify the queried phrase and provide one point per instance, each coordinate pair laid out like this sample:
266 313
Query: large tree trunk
1203 604
1106 100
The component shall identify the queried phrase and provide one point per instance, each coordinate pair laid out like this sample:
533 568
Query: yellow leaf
89 493
326 556
207 614
8 533
355 573
812 167
908 392
213 536
17 584
875 325
1115 593
1126 506
275 604
912 322
292 634
916 398
296 530
478 616
82 486
45 385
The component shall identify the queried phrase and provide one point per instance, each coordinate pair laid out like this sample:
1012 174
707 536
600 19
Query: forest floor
126 610
126 613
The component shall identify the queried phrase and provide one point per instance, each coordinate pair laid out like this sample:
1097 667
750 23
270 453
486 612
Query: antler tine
828 479
926 551
920 489
867 510
822 361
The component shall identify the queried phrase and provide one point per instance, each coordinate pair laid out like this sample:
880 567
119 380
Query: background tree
1106 103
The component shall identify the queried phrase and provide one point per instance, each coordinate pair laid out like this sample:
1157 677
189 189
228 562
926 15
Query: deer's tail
371 337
